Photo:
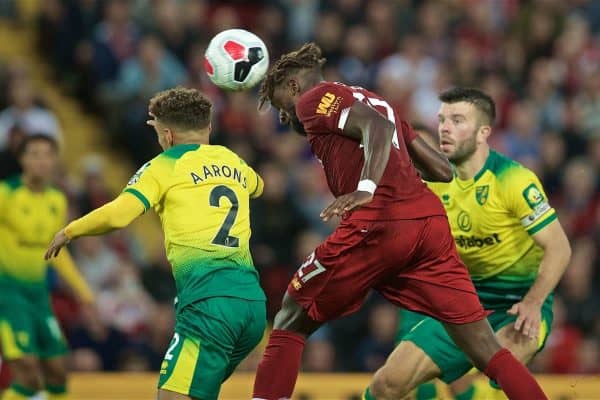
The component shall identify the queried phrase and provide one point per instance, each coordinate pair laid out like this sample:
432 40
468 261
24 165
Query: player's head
180 115
293 74
465 122
38 155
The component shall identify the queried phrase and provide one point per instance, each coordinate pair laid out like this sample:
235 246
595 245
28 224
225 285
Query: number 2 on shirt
222 238
389 111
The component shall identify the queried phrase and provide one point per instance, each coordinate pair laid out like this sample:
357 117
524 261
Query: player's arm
256 184
431 163
527 200
65 266
142 192
375 132
557 253
114 215
367 125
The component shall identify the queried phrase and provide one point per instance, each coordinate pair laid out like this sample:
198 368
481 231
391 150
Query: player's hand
345 203
529 318
59 241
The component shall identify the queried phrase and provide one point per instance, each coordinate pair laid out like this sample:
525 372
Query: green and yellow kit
201 194
493 217
28 221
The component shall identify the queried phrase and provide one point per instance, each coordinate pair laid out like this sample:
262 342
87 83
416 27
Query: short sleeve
145 185
255 183
325 108
408 133
526 199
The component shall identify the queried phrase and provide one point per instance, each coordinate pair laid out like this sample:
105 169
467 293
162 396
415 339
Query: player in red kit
393 237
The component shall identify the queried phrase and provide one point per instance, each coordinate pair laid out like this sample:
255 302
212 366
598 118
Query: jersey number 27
389 112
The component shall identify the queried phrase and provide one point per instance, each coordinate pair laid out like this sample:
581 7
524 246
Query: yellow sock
17 392
483 391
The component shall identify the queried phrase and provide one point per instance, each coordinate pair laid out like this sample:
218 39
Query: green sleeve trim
140 196
257 185
542 224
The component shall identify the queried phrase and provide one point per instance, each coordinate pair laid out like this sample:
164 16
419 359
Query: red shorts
5 377
412 263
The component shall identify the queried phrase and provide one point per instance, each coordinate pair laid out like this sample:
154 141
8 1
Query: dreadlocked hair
306 57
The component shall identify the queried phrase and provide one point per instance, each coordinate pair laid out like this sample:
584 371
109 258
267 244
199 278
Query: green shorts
28 326
431 337
212 336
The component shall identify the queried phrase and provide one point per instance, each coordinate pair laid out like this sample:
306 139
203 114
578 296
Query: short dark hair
306 57
183 108
36 137
481 101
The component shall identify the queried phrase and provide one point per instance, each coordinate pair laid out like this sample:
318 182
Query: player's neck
34 184
470 167
193 138
310 80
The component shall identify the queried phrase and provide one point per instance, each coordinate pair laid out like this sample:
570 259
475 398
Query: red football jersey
400 194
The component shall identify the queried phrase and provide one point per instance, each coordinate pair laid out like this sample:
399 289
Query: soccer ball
236 59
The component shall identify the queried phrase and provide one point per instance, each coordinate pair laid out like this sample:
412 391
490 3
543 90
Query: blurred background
83 71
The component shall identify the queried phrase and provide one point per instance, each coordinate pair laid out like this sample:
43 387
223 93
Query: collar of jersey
465 184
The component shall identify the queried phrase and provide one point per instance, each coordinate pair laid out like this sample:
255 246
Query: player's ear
484 132
169 136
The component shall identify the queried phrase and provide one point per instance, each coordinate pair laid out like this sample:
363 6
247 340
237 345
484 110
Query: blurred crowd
538 59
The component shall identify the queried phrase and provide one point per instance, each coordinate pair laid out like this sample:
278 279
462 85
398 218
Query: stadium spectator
24 112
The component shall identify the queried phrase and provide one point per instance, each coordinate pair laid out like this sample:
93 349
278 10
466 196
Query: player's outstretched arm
114 215
557 253
366 124
433 165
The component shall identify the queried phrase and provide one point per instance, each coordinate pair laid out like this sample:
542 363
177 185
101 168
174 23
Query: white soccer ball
236 59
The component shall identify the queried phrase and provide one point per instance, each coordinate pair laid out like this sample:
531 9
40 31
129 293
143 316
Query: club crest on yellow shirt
481 194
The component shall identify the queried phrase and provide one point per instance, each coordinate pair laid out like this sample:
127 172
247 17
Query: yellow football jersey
201 194
492 217
28 223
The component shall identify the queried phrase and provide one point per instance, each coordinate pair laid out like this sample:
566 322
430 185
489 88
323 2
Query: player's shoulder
223 154
168 159
506 170
56 192
324 95
57 198
439 187
11 184
176 153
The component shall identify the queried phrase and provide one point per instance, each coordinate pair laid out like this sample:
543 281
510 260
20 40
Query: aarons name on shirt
218 171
